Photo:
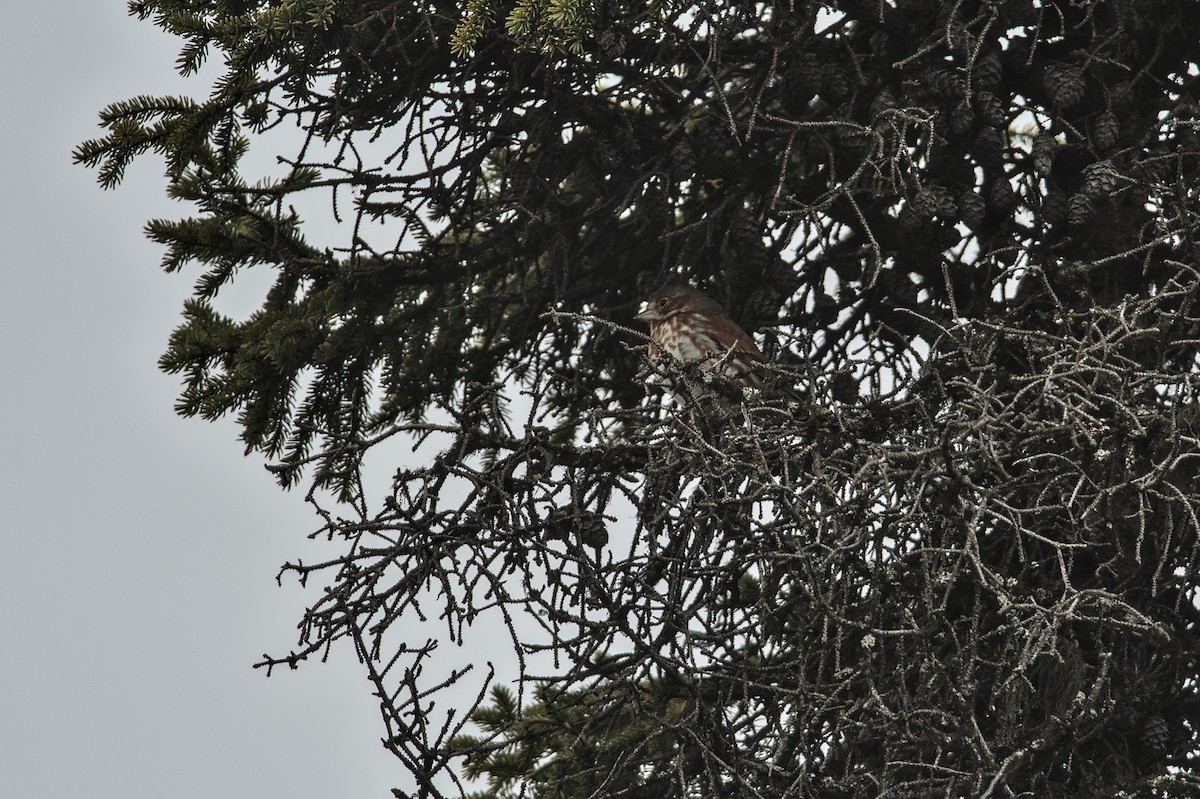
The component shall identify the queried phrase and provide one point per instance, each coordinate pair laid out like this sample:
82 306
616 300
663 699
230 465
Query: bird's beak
646 314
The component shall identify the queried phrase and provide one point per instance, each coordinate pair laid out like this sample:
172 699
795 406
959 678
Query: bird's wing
743 364
725 340
726 335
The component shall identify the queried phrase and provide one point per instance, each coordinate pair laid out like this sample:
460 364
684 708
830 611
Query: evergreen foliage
965 565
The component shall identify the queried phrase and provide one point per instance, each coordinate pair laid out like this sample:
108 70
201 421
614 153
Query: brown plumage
691 326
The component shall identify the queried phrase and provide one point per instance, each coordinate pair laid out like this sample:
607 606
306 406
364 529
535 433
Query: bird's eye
662 302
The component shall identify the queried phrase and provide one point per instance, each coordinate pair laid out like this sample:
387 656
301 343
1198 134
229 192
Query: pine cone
592 530
1120 96
683 157
908 222
1064 84
945 83
803 78
1079 209
988 71
989 147
1100 180
991 110
883 101
612 43
1045 147
743 228
1001 198
934 202
971 209
844 386
1156 736
961 117
1106 132
605 156
1054 207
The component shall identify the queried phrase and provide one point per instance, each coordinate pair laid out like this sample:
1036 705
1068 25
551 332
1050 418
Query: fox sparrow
691 326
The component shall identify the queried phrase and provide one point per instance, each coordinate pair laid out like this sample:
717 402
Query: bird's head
674 298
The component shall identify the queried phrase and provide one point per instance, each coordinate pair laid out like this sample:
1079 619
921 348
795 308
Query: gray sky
139 549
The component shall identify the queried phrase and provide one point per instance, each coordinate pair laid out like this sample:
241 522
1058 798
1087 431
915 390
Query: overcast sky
137 573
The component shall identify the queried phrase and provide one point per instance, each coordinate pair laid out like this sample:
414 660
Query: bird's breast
684 337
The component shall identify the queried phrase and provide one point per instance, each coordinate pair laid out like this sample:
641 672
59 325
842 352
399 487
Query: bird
692 327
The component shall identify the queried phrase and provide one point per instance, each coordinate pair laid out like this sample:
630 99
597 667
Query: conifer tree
963 564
